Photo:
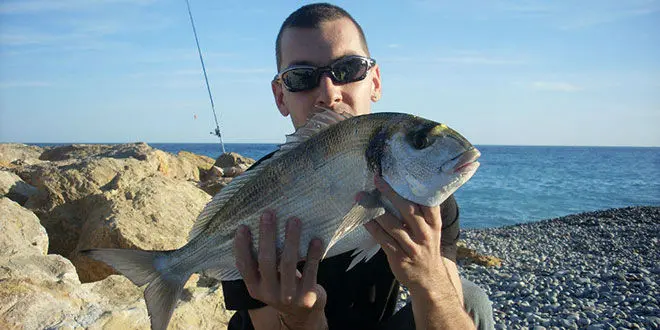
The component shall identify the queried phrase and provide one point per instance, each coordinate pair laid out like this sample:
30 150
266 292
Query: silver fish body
314 177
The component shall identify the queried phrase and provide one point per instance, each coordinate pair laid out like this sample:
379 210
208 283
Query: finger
432 215
245 262
394 227
288 262
389 244
410 212
312 261
267 250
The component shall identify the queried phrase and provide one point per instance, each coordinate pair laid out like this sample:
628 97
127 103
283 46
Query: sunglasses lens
300 79
350 70
343 71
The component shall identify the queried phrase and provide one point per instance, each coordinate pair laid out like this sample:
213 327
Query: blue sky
500 72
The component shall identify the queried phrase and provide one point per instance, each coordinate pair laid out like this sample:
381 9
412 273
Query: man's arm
295 301
412 246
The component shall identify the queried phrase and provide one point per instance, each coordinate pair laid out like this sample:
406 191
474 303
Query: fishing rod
206 79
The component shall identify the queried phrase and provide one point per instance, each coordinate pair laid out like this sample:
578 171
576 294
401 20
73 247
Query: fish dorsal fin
318 122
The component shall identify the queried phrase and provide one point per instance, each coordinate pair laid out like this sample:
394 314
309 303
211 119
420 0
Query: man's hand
412 245
298 299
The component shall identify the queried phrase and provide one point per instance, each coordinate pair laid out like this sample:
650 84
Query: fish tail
142 267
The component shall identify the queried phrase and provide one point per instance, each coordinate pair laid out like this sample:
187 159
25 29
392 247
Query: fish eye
421 140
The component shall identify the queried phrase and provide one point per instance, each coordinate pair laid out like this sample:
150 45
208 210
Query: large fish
315 176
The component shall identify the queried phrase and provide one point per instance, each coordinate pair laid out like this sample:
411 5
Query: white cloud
554 86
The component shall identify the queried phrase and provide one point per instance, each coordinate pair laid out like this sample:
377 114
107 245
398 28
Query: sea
520 184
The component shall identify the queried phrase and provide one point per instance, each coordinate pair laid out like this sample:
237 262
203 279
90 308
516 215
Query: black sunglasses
345 70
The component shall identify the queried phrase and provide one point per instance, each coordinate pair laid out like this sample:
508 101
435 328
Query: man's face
320 47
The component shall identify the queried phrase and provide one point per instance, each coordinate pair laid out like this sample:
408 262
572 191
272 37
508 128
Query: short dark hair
311 16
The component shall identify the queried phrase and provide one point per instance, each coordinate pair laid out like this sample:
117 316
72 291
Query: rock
155 213
12 154
12 187
203 163
64 190
65 187
233 171
126 196
73 151
20 231
467 255
212 187
39 292
231 159
43 292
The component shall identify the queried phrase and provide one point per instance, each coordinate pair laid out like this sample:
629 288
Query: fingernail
316 243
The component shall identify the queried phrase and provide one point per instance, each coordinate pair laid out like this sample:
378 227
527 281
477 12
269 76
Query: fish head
425 162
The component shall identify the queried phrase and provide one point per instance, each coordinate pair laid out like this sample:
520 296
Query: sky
500 72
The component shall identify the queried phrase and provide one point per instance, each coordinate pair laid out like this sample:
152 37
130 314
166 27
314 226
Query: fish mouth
463 162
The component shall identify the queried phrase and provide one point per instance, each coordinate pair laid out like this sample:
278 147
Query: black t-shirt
361 298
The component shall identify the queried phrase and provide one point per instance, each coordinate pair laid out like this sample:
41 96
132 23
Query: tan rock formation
155 213
39 291
231 159
12 187
20 231
19 154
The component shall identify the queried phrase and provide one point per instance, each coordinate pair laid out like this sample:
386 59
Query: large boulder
12 154
155 213
12 187
66 186
73 151
203 163
232 159
20 231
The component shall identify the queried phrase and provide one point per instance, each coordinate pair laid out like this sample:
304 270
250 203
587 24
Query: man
323 62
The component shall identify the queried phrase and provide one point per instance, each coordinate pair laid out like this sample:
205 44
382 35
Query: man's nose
329 93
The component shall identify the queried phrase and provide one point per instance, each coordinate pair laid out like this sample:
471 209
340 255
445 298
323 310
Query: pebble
594 270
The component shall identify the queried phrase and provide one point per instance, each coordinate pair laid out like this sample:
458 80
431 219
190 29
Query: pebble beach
595 270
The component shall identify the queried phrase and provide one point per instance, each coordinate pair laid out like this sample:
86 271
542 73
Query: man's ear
376 87
278 93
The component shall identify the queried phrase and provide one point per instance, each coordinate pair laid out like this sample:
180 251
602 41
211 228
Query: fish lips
465 162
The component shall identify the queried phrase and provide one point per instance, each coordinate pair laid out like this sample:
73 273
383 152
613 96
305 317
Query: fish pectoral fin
367 249
368 207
